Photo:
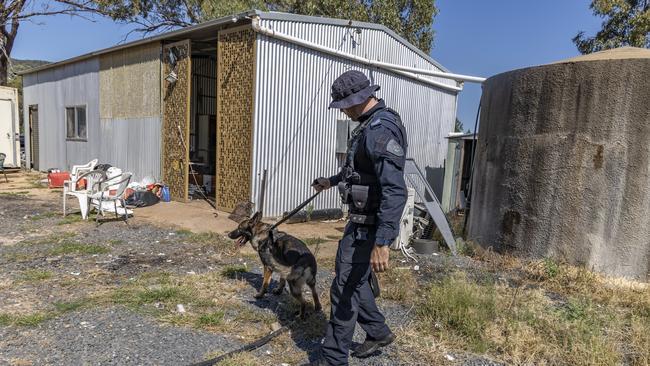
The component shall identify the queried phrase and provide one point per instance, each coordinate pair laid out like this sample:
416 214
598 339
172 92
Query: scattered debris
180 308
450 357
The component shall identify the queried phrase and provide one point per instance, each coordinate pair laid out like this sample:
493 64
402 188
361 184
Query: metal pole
262 193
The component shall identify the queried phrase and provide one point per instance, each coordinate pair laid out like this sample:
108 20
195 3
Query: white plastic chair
112 190
70 186
93 179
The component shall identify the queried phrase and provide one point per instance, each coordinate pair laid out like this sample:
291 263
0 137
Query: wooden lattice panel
236 71
176 121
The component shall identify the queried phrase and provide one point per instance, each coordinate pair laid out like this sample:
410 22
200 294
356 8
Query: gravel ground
115 335
108 337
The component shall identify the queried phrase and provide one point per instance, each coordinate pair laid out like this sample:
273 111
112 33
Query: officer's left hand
379 258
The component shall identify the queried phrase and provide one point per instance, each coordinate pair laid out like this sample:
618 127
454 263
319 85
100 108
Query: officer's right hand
321 184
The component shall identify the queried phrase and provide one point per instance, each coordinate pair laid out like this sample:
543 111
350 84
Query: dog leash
294 211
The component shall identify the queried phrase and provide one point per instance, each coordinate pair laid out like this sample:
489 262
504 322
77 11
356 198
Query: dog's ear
256 218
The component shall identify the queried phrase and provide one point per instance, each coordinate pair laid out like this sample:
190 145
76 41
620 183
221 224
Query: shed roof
205 32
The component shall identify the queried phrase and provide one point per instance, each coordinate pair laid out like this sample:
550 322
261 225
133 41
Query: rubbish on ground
450 357
180 308
416 268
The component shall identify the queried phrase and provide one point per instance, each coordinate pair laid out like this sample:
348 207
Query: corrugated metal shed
294 134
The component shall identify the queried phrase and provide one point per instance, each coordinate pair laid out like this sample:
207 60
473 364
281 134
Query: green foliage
626 23
412 19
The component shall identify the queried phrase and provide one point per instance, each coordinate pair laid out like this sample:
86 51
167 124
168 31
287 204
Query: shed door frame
220 201
33 136
174 136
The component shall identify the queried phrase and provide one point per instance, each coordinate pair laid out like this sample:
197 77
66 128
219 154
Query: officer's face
353 112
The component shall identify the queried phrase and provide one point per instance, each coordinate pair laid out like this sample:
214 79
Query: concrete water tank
563 163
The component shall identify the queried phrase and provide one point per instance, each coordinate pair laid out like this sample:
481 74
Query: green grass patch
42 216
35 275
184 232
233 270
211 319
64 307
30 320
14 194
5 319
53 238
78 248
116 242
333 237
463 308
70 219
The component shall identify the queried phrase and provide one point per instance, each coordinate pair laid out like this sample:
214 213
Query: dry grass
398 284
553 314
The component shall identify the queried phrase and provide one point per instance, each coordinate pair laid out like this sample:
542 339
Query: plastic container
166 197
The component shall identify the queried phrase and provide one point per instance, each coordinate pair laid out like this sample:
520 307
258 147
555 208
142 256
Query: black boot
370 346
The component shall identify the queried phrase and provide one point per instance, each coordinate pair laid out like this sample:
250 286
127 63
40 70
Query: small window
75 119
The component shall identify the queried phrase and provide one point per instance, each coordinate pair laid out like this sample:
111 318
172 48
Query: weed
231 271
314 241
184 232
5 319
309 210
30 320
211 319
333 237
34 275
78 248
115 242
398 284
63 307
46 215
70 219
462 307
551 267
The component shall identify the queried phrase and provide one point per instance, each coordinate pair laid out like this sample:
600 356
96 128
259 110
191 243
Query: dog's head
247 230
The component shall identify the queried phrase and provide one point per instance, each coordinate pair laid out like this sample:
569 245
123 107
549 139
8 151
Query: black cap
350 89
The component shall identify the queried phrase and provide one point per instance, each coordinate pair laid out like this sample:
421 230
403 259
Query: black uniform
376 155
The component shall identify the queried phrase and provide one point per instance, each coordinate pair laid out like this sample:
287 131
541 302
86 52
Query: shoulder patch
394 148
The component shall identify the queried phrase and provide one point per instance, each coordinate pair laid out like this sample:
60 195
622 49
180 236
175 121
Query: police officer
372 183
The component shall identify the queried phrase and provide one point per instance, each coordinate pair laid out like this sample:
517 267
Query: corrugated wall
129 82
295 134
54 89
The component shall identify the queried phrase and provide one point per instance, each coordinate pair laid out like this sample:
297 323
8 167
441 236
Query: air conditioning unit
406 223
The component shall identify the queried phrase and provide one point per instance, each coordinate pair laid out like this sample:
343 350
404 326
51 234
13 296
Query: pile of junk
106 189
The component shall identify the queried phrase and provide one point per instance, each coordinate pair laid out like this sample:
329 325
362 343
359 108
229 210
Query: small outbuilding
9 126
219 103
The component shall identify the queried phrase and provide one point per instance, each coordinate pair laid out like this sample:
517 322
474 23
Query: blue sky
474 37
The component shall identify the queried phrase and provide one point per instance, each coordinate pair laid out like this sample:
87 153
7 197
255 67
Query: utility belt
358 197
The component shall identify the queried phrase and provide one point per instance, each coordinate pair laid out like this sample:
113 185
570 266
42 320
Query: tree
458 127
14 12
627 23
412 19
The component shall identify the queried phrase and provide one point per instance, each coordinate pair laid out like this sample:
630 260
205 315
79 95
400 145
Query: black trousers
351 297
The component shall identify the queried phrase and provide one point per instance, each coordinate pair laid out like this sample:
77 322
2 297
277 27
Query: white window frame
76 126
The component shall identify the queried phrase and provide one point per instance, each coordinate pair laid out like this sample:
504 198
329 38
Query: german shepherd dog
282 253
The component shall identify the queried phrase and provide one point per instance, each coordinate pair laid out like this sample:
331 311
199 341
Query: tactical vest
360 189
